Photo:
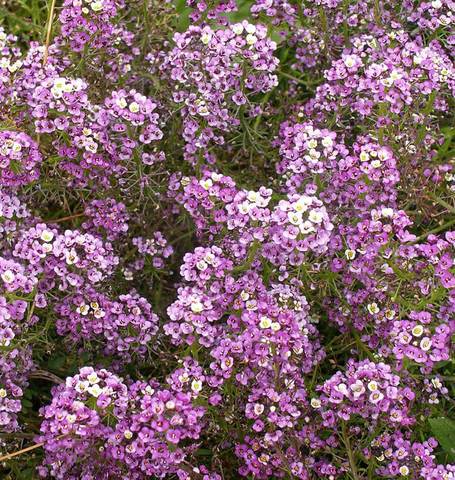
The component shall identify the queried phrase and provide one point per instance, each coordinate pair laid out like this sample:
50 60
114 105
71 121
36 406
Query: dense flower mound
227 240
126 324
117 429
215 72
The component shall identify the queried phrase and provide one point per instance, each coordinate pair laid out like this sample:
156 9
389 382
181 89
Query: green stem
441 228
360 345
250 259
441 202
50 20
347 444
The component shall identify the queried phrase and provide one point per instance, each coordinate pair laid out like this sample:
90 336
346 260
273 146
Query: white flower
372 386
71 418
201 265
265 322
349 61
436 4
17 147
98 313
404 470
342 388
373 308
134 107
68 88
97 6
81 387
8 276
205 37
128 434
425 344
315 403
237 28
244 207
395 75
376 397
209 258
387 82
315 216
95 390
206 184
47 236
357 388
301 205
202 110
349 254
59 83
251 39
149 390
436 383
71 257
93 378
196 386
390 314
258 408
244 295
417 331
121 102
306 227
252 196
364 157
387 212
327 142
197 307
83 309
2 393
250 28
295 218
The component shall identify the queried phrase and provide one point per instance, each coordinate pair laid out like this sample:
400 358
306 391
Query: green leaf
15 166
444 430
203 451
56 362
26 403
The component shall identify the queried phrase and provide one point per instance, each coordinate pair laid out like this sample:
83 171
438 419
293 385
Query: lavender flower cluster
227 237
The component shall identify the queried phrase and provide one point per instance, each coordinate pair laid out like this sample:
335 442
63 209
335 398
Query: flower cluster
366 389
108 216
16 361
125 325
89 22
399 457
98 425
70 257
19 158
77 421
214 73
227 238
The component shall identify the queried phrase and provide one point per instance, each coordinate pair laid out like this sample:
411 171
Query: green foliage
444 430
